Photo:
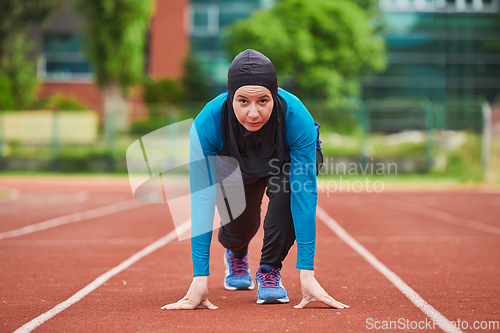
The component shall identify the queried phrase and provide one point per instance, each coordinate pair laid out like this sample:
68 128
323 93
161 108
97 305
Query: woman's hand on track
312 291
196 295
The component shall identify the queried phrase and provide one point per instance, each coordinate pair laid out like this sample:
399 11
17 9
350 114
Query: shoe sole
273 300
238 288
228 287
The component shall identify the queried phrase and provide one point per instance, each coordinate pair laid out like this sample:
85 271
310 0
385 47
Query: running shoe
270 288
237 275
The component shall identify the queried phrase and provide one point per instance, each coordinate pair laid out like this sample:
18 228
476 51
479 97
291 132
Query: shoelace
238 265
270 279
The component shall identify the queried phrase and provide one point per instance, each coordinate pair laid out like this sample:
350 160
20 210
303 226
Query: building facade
440 49
208 19
64 69
437 49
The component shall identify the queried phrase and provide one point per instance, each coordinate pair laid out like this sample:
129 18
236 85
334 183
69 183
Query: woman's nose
253 112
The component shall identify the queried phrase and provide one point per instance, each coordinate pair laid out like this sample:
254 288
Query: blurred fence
422 129
410 132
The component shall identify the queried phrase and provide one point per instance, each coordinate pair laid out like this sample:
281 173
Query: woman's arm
204 142
202 179
301 138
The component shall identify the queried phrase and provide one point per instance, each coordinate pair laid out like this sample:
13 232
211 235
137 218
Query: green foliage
17 15
168 98
464 164
6 100
193 86
161 98
320 46
18 74
194 80
351 146
339 116
369 5
494 165
115 38
165 90
63 103
17 71
142 127
378 147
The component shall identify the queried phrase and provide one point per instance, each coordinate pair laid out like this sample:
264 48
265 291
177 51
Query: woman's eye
243 101
263 101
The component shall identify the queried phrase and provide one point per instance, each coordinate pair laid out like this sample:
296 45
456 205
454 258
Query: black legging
279 233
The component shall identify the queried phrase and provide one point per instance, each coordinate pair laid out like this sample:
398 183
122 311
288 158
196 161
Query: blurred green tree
319 48
169 95
165 90
62 102
6 99
17 70
115 40
194 80
162 97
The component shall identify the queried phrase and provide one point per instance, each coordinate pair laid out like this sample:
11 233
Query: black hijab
258 153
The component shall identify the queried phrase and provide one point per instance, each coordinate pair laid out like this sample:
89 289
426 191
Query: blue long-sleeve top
206 141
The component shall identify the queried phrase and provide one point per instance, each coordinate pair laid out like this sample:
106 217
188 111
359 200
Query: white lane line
75 242
436 214
411 294
68 199
76 217
31 325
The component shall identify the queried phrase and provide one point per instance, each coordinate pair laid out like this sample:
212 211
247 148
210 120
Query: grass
7 174
494 167
463 165
377 146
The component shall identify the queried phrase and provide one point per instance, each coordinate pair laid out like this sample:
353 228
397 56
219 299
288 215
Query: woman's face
253 106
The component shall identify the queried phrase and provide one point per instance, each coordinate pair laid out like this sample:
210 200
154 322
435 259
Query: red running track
453 267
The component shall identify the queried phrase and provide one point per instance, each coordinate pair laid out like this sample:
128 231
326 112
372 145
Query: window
62 58
236 11
204 20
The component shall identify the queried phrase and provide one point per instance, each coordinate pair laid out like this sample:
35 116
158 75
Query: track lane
457 274
35 277
424 253
22 214
44 202
462 205
165 275
36 322
414 297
